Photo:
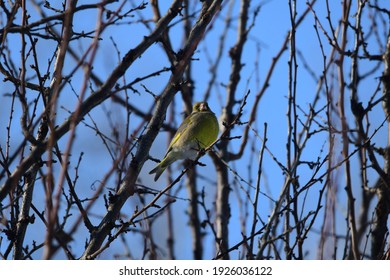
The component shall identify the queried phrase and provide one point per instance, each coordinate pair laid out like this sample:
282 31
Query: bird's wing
182 130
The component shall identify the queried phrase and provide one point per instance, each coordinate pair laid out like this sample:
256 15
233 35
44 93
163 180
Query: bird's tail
159 169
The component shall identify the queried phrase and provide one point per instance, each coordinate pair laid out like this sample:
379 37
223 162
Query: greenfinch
198 131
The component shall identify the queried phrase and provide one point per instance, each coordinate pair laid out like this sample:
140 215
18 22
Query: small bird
198 131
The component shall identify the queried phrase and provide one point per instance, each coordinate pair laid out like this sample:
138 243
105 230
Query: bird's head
201 107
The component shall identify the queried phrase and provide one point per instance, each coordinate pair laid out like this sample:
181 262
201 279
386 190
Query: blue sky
270 29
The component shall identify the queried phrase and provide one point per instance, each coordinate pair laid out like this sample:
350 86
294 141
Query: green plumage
198 131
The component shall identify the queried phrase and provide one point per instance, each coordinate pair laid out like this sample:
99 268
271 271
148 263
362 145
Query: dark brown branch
127 187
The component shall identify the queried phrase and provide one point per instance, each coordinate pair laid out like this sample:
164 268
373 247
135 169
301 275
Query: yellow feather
197 131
